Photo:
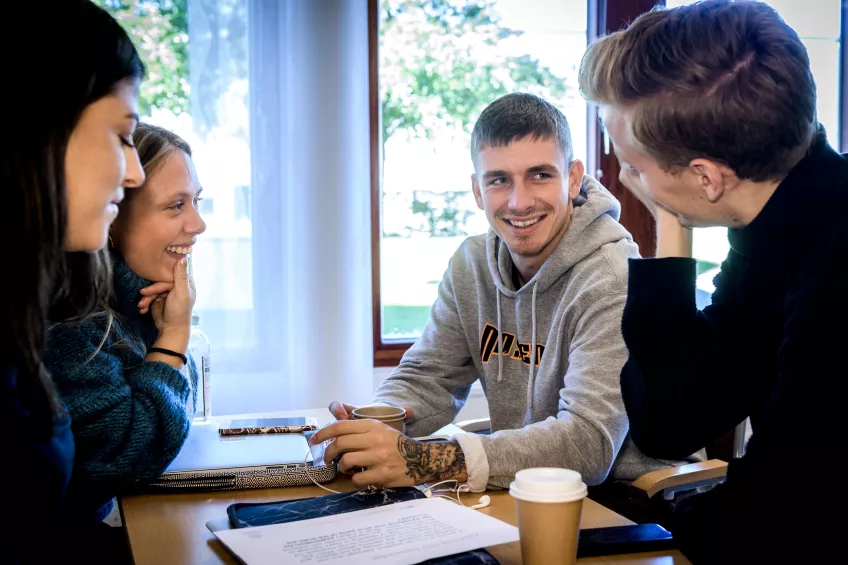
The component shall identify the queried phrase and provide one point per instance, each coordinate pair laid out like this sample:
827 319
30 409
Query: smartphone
617 540
253 426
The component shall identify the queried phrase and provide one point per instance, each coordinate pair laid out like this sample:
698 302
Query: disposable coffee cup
548 502
389 415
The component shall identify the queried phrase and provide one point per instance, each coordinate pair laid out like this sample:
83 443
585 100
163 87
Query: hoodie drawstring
532 371
500 342
532 376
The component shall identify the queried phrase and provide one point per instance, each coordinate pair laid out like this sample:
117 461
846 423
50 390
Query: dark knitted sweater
130 417
770 347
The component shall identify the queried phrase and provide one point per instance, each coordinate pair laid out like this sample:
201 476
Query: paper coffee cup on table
548 502
389 415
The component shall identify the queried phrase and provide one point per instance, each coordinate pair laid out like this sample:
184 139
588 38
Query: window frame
607 16
387 353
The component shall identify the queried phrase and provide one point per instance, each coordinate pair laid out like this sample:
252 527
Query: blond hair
727 81
154 144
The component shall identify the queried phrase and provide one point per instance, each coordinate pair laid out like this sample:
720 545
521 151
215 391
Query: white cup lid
548 484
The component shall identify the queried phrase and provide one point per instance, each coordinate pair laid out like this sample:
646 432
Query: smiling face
160 223
526 189
99 163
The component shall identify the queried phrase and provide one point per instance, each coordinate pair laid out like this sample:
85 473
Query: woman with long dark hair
71 77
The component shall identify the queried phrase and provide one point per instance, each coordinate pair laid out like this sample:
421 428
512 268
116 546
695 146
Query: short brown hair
728 81
517 116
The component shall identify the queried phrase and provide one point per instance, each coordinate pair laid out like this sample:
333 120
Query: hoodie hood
593 224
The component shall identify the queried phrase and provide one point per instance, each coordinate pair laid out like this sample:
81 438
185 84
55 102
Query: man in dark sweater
712 111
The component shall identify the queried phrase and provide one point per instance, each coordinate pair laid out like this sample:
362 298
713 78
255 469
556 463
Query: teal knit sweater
130 417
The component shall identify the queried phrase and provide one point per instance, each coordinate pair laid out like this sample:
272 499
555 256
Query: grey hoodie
557 403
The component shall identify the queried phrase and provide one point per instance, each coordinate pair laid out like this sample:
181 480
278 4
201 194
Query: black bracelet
168 352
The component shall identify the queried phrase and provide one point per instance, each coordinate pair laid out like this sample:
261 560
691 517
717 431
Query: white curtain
295 332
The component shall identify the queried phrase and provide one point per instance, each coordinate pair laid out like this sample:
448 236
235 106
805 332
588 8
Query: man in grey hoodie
532 309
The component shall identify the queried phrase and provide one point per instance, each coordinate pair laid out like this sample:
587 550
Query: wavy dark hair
65 56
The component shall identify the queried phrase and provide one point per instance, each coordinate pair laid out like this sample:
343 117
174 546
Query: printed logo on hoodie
521 352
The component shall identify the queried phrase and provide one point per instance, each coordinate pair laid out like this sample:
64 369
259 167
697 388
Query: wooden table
171 528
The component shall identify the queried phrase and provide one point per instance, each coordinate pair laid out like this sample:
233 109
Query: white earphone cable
429 491
308 468
441 493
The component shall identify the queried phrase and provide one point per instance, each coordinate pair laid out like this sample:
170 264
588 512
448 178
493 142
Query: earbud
483 502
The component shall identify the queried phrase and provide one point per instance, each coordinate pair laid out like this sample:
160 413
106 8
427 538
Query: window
273 98
818 24
440 63
284 152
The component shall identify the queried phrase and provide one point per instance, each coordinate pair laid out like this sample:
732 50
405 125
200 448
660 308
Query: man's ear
475 188
575 178
712 178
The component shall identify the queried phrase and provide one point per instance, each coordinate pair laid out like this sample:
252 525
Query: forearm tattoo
432 462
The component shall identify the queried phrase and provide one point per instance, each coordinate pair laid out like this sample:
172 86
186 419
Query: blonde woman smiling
123 374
